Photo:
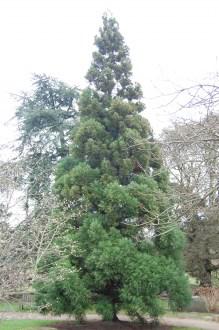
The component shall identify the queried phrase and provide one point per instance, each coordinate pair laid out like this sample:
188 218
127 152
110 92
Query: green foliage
172 244
110 72
202 245
63 291
115 185
90 140
45 118
117 203
76 182
104 308
150 275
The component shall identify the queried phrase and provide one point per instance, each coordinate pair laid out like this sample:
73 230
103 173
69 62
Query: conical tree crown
111 69
112 135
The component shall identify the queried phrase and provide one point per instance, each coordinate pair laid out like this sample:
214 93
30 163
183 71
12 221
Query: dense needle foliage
45 118
121 250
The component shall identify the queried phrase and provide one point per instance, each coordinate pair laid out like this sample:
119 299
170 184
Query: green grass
23 324
9 307
15 307
36 325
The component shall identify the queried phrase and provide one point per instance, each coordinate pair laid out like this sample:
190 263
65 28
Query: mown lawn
16 307
36 325
9 307
23 324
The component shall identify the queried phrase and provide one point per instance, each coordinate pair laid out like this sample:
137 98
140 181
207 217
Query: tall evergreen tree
120 252
45 118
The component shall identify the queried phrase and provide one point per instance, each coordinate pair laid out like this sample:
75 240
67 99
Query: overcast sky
172 43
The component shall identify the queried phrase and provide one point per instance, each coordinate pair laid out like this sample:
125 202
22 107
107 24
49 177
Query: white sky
170 41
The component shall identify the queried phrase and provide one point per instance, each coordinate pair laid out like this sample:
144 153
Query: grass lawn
15 307
38 324
23 324
9 307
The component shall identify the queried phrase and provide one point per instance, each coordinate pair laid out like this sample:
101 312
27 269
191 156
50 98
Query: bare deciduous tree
191 151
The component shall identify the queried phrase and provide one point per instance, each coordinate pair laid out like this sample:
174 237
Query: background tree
122 249
10 184
45 118
191 151
23 240
22 247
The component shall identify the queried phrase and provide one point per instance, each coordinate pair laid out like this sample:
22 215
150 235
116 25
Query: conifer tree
45 118
120 252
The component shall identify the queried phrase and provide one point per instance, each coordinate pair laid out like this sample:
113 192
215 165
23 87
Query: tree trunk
206 279
115 317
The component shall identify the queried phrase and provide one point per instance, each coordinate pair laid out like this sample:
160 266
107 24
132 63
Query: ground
34 321
98 325
19 321
92 325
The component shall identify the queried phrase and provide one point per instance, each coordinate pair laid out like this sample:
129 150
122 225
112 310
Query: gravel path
174 321
200 324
